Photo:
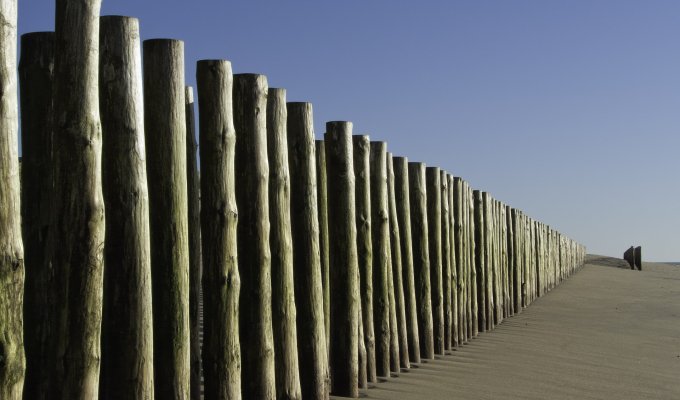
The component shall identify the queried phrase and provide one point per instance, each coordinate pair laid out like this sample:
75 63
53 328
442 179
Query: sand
605 333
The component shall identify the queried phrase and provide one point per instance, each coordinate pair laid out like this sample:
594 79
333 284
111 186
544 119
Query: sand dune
606 333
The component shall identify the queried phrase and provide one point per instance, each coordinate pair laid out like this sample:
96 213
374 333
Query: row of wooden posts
322 265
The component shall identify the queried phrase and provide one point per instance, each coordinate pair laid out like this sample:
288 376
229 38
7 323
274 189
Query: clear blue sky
568 110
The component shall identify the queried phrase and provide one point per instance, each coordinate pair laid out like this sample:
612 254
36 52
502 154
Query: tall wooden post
165 122
453 278
473 267
13 362
403 203
421 259
480 261
221 282
309 290
322 204
36 77
344 267
77 229
195 252
397 266
252 199
362 176
434 223
127 330
460 262
381 256
446 259
283 291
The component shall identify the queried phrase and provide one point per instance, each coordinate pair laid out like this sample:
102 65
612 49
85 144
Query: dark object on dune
634 257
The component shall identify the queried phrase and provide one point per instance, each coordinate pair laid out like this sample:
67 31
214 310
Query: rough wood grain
322 204
165 125
446 259
220 281
434 224
252 199
127 330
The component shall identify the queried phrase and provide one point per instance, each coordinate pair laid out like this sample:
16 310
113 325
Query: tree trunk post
421 259
397 266
344 266
252 199
13 364
77 227
403 205
362 176
480 261
36 75
322 203
453 279
127 329
220 280
473 267
165 122
434 223
309 289
281 242
446 259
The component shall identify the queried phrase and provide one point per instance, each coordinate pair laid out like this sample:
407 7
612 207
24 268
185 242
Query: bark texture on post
397 267
363 372
77 229
283 291
309 290
344 267
195 252
322 204
362 174
421 259
252 181
434 224
453 279
221 282
36 76
13 362
403 202
381 257
165 123
446 259
127 327
480 261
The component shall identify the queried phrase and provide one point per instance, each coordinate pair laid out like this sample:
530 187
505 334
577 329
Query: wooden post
453 270
474 268
195 263
13 364
446 259
512 266
381 256
127 330
283 291
322 204
252 200
460 260
397 266
220 281
488 261
344 267
165 122
638 258
363 367
76 238
362 175
36 77
421 259
434 224
403 204
480 261
309 299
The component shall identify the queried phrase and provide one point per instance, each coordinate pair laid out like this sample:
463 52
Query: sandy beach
605 333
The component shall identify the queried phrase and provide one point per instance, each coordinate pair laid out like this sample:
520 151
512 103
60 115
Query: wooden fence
322 265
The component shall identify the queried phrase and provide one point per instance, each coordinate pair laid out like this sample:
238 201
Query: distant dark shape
634 257
638 258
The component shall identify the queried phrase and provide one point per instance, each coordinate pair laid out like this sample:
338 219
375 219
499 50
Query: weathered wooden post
362 175
36 77
434 224
165 125
446 259
638 258
453 270
252 200
13 363
480 261
421 259
127 327
344 265
195 252
76 238
510 260
221 283
474 268
381 256
322 204
309 299
363 367
397 266
489 262
403 203
460 260
283 291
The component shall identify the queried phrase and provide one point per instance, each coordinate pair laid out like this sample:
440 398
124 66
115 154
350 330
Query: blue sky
568 110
